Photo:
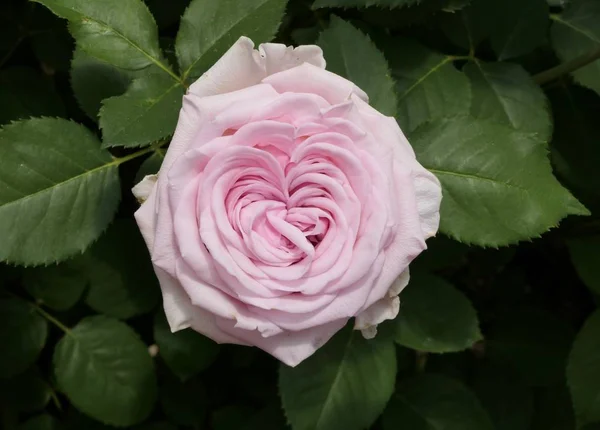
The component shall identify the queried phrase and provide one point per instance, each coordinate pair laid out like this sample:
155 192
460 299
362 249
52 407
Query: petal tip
143 189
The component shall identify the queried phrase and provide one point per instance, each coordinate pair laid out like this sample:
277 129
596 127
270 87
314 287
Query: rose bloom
285 205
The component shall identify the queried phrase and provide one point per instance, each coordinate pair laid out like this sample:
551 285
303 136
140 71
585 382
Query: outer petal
429 198
181 314
243 66
426 185
408 241
143 190
289 347
277 57
311 79
145 217
238 68
383 309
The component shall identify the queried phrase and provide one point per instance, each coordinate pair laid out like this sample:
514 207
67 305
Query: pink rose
285 205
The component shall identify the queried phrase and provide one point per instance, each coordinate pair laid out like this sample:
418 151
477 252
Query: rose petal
143 190
313 80
290 347
384 309
145 217
278 57
181 314
429 197
407 243
236 69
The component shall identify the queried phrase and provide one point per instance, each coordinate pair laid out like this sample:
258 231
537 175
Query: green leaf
506 94
431 402
186 352
585 254
427 84
23 334
447 324
119 32
389 17
583 372
208 29
328 391
26 392
147 112
25 93
468 27
58 190
184 403
106 371
492 175
363 3
577 32
520 26
514 27
503 395
41 422
151 165
120 274
353 55
58 286
575 149
533 342
93 80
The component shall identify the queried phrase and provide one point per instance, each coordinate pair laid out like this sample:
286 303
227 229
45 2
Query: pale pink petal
196 127
407 243
142 190
314 80
181 313
384 309
296 109
238 68
289 347
380 311
145 217
347 304
242 66
429 198
399 284
278 57
223 305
